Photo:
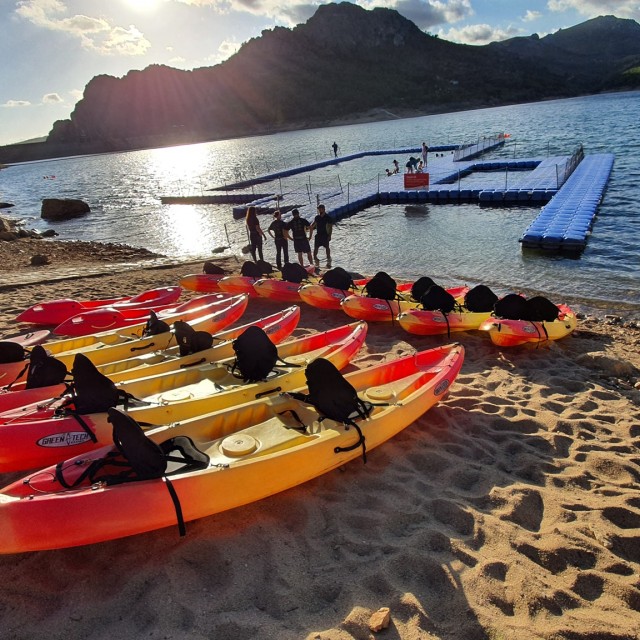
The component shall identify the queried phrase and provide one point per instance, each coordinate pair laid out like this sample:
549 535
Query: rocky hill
344 61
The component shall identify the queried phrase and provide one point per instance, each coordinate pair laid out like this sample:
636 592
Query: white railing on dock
470 149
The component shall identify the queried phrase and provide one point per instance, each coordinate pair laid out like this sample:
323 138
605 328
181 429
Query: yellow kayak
41 434
278 327
231 458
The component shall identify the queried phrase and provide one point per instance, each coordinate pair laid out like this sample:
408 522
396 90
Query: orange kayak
513 333
204 282
379 310
431 323
238 284
246 453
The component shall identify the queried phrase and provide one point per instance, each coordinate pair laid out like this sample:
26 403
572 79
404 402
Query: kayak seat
139 458
335 398
182 455
189 340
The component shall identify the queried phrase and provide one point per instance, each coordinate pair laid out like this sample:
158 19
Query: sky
51 49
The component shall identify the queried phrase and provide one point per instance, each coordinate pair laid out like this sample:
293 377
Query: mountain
597 55
343 62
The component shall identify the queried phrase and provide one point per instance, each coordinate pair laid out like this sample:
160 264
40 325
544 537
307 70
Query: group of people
396 168
415 165
298 229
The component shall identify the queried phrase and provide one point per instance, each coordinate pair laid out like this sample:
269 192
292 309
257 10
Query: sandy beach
510 510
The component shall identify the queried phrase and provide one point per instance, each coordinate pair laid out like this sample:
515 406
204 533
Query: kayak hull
276 289
238 284
378 310
264 456
429 323
203 282
514 333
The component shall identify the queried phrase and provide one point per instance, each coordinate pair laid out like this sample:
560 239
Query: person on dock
278 231
420 167
256 234
425 151
411 165
322 225
299 227
334 146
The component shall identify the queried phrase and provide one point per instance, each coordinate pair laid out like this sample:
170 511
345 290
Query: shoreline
511 509
73 258
378 114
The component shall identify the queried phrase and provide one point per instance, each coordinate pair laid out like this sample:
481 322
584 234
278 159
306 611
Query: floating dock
564 223
569 189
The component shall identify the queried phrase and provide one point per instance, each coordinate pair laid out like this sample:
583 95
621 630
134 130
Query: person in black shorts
322 225
255 233
298 227
278 231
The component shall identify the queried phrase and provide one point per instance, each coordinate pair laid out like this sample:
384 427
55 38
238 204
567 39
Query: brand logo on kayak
441 388
68 439
527 329
381 307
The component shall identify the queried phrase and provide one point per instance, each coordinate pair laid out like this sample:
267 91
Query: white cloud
531 15
227 49
593 8
95 34
51 98
479 34
12 104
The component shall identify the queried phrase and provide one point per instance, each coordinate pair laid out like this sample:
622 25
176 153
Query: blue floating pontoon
566 221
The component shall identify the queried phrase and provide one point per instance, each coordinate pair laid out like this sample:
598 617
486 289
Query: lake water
452 243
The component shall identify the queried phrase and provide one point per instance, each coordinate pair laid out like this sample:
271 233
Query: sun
143 5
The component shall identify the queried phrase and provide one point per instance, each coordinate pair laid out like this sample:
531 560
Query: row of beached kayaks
517 326
154 430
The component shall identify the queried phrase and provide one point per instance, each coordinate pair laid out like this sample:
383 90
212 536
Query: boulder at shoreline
63 209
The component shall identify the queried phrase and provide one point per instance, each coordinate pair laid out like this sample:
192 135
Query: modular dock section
566 221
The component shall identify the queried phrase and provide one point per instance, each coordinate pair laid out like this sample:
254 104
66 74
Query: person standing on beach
322 226
278 231
334 146
425 151
256 234
298 227
396 165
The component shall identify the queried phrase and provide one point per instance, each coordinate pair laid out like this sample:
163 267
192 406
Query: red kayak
29 339
112 318
55 312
